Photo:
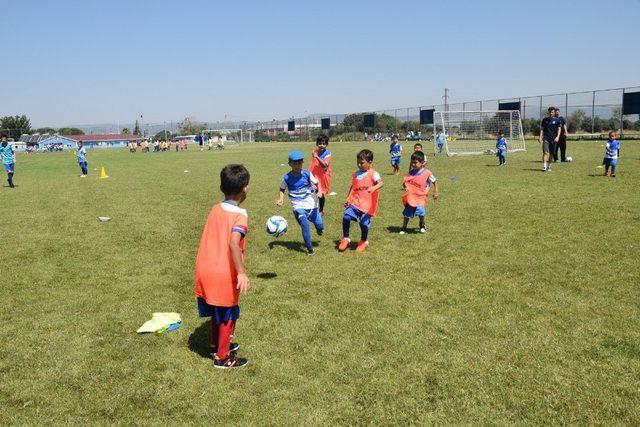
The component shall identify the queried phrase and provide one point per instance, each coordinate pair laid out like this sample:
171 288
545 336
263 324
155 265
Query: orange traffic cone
103 173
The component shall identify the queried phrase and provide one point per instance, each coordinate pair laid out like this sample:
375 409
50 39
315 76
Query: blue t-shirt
501 144
561 122
549 128
7 154
302 192
82 155
395 149
442 138
611 149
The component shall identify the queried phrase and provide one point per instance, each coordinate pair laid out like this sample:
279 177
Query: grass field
520 305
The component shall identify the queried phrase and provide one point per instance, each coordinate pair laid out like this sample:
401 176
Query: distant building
90 141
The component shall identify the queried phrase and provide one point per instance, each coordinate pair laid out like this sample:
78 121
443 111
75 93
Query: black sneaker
232 348
320 232
310 251
229 362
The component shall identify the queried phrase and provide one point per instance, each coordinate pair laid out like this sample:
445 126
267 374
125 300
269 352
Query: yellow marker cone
103 173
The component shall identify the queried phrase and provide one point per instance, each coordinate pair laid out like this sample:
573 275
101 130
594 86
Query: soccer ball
277 226
569 159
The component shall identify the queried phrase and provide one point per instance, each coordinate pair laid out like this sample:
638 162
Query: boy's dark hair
394 137
322 138
365 155
550 109
233 178
500 132
417 144
417 155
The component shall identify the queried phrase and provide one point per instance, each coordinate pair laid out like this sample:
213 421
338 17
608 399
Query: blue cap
294 156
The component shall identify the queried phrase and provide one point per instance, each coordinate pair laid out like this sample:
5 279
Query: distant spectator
562 142
549 136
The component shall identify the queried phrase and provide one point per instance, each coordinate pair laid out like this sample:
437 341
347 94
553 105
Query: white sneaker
423 230
402 232
83 176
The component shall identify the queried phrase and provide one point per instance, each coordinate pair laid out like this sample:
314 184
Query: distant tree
45 130
70 131
189 126
14 126
125 131
136 129
575 120
162 136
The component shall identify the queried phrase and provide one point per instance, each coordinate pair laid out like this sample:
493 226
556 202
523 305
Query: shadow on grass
395 230
533 170
199 340
266 275
294 246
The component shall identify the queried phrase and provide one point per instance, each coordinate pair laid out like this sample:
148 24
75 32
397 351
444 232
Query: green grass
520 304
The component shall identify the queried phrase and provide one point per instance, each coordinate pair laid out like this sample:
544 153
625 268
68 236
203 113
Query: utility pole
446 99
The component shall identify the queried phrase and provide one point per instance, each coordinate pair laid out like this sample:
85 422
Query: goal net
476 132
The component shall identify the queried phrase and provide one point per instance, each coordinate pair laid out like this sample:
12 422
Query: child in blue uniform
302 187
8 160
395 149
611 154
501 148
82 159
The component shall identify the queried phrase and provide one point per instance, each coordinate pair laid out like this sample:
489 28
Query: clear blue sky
83 62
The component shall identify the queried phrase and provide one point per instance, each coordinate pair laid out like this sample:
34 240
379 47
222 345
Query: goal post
475 132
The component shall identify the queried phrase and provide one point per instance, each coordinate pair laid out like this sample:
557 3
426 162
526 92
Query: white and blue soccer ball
277 226
569 159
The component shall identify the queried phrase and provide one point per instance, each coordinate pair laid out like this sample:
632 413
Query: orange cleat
344 244
362 245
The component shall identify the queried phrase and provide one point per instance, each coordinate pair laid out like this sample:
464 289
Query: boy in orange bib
417 184
321 169
362 201
220 276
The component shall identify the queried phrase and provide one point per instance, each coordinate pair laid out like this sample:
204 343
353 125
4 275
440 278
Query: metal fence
596 107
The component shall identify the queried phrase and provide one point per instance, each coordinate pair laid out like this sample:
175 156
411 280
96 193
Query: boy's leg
316 218
215 333
301 216
346 224
321 203
421 220
10 179
225 333
405 223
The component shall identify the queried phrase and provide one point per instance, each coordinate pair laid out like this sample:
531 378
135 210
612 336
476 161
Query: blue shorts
501 153
82 164
9 167
220 314
354 214
311 214
395 161
610 162
411 211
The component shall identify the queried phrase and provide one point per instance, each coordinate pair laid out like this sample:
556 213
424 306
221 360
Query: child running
417 184
395 149
611 154
81 154
321 169
301 186
362 201
220 276
8 160
501 148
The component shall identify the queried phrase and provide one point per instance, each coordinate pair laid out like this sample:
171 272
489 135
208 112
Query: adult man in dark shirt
562 142
549 136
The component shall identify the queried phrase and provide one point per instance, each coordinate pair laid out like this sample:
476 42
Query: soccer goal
475 132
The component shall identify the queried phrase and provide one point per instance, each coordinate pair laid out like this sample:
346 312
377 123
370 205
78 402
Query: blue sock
346 223
306 231
365 232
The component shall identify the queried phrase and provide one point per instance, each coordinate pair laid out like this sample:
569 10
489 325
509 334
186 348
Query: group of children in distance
220 274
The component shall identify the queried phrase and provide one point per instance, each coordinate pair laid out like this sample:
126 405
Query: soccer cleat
344 244
232 348
310 252
229 362
319 232
613 175
362 246
423 230
83 176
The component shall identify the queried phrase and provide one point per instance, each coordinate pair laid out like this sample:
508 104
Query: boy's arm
236 254
376 187
346 202
280 200
557 138
437 188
